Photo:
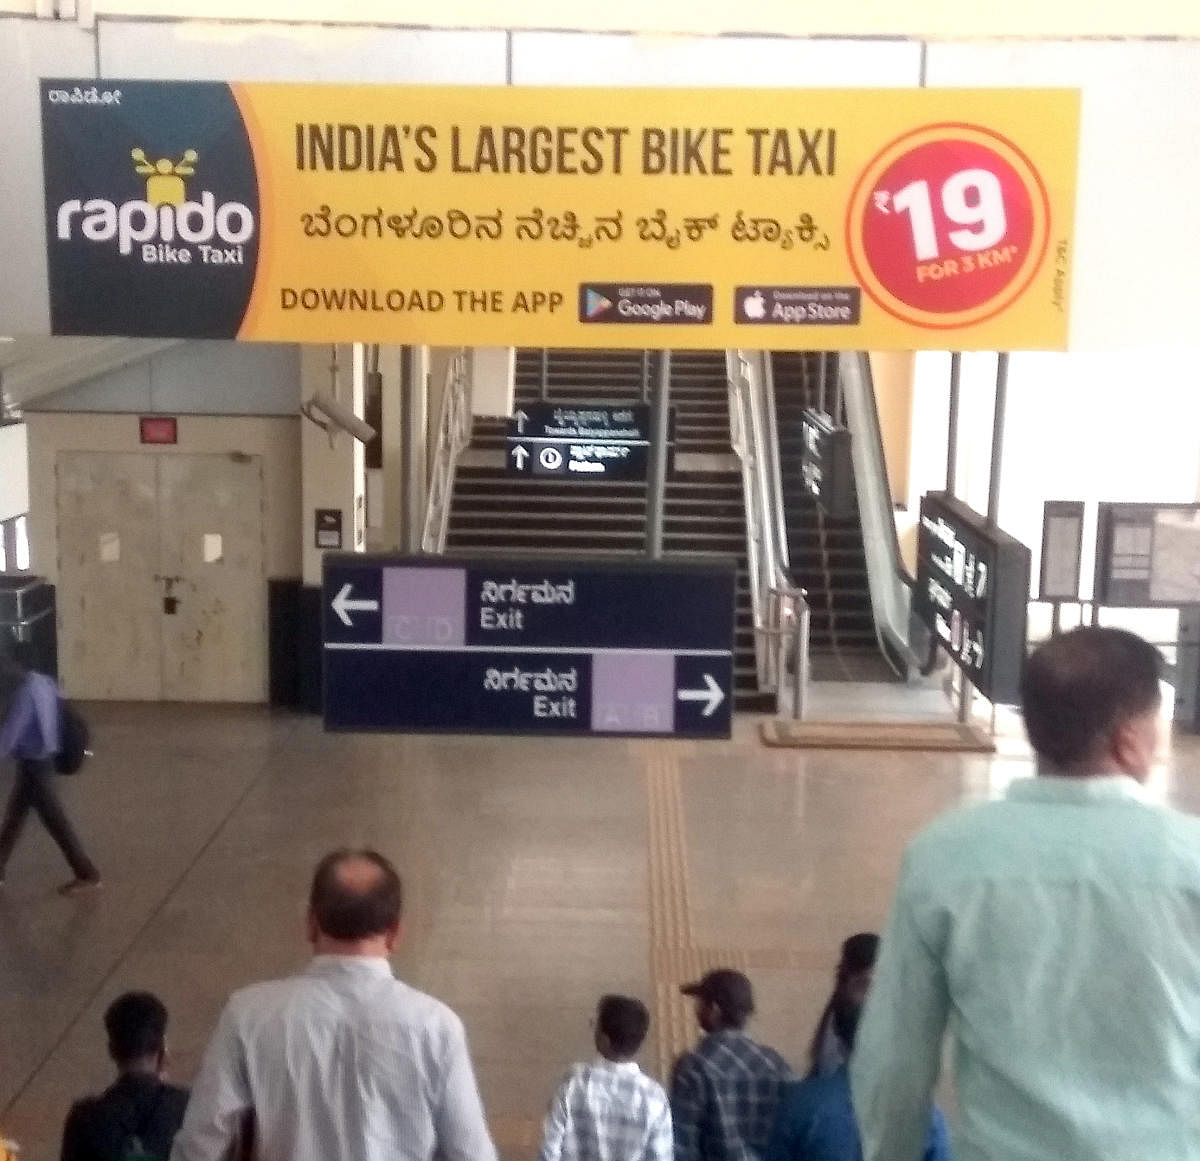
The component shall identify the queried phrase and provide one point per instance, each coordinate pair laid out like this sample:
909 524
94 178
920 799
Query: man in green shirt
1057 934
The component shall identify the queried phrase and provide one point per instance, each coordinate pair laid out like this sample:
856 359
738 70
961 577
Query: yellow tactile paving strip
674 957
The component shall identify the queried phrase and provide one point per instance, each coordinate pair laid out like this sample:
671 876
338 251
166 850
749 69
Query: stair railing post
821 374
415 393
800 677
657 484
773 621
836 413
545 380
645 376
952 423
993 508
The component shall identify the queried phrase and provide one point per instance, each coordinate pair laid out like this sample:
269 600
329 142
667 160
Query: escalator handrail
875 433
889 580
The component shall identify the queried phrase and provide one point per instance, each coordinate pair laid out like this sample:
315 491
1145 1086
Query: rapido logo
166 224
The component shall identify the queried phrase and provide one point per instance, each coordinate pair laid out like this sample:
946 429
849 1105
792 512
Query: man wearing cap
725 1091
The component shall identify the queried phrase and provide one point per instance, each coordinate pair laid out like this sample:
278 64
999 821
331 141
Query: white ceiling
31 367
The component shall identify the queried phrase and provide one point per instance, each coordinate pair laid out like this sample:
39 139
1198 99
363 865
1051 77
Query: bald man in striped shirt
343 1060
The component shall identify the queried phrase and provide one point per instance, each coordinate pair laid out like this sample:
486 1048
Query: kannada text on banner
822 219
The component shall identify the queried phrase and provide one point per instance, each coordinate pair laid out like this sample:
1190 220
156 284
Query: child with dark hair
610 1110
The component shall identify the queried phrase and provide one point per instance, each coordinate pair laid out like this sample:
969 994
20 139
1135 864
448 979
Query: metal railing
780 608
453 435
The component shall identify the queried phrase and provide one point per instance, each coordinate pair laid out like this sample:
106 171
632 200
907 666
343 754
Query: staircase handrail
889 580
774 598
453 436
773 467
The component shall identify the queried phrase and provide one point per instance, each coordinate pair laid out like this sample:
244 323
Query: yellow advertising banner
809 219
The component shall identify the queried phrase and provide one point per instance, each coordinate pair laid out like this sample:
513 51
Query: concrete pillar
391 521
406 436
493 375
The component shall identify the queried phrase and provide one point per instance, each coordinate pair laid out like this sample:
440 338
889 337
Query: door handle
170 600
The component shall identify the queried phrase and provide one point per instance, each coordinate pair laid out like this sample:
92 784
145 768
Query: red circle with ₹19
951 228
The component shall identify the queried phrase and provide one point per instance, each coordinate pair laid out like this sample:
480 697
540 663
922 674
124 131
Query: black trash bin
27 623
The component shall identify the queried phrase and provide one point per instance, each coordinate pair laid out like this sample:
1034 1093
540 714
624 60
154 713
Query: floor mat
955 736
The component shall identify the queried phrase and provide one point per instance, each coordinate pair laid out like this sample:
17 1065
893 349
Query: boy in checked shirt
610 1110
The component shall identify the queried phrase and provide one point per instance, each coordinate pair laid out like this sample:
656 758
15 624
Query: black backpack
74 738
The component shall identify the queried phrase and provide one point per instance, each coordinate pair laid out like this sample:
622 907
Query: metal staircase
491 511
827 556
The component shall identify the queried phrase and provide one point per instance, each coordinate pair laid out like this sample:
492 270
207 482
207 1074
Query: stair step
704 511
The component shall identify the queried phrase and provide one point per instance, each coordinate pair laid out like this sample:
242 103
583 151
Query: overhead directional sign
826 467
972 591
528 646
586 441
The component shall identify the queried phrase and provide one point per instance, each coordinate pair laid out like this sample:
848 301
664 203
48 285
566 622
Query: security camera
338 417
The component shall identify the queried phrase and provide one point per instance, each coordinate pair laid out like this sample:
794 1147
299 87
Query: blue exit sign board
528 646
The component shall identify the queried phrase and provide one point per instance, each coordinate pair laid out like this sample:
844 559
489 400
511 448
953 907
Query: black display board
586 441
1148 555
528 646
826 467
972 592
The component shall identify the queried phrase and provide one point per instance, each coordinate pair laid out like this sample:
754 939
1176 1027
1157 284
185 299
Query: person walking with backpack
30 733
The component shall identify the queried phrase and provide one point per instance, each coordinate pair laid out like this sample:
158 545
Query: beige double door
161 586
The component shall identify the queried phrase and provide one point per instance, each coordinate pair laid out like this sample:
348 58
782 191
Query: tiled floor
538 873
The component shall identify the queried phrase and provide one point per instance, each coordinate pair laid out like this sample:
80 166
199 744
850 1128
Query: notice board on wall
832 219
1148 555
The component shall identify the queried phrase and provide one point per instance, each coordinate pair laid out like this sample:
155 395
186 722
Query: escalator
828 557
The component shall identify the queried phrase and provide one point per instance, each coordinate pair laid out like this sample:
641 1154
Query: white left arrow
343 605
713 695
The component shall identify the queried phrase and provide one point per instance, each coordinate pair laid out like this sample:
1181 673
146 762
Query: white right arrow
714 695
343 605
520 455
521 419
